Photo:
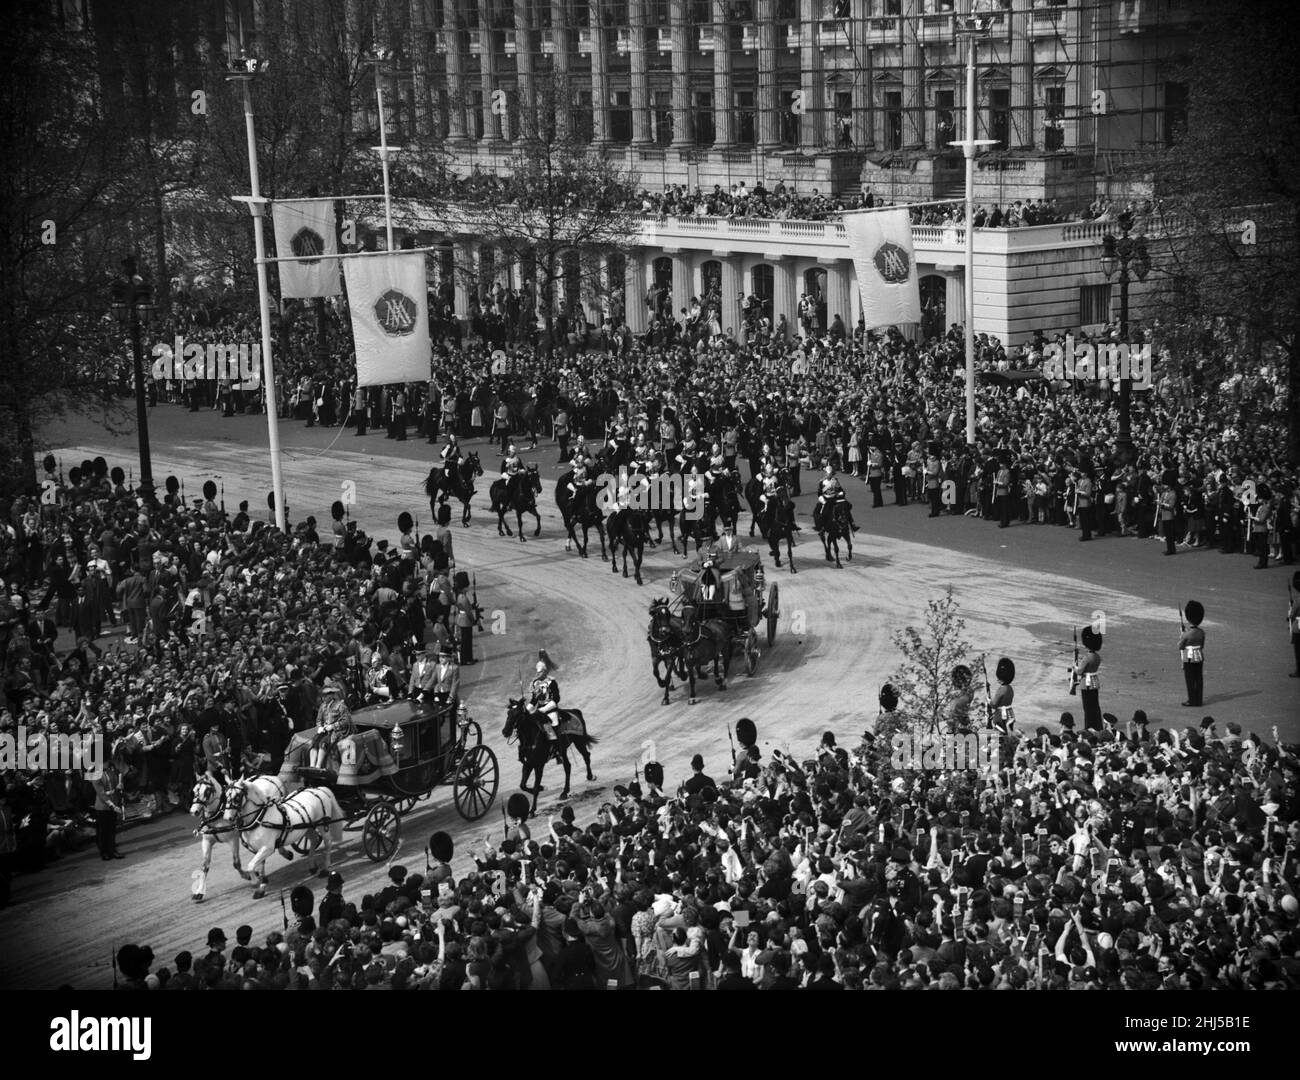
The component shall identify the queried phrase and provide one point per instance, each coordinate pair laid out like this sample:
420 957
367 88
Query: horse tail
431 483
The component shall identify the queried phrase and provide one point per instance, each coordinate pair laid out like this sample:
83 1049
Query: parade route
1020 590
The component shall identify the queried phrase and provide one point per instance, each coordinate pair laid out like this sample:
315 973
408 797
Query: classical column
560 34
640 75
682 292
634 287
1022 82
466 274
488 81
732 286
913 78
599 75
811 80
724 115
955 299
524 75
839 297
769 124
681 83
421 88
785 292
451 26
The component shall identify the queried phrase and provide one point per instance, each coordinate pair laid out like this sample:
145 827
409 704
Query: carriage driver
333 721
829 492
544 695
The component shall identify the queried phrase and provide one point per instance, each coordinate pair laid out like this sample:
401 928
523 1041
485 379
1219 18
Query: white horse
307 820
208 805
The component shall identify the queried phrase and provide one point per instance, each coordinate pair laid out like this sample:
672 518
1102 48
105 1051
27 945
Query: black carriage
392 757
729 587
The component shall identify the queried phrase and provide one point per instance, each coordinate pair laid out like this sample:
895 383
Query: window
762 283
701 12
704 130
663 117
583 123
620 117
1054 118
745 131
476 110
894 120
789 120
1000 116
787 10
1094 304
843 118
1174 117
945 125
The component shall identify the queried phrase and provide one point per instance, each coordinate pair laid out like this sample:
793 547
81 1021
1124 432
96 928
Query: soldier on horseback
544 696
511 465
830 493
450 454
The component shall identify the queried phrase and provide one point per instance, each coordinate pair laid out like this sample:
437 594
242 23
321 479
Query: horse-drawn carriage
395 754
722 604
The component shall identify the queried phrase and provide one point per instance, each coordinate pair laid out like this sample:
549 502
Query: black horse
518 493
832 527
535 749
777 523
703 641
457 482
665 641
628 529
582 510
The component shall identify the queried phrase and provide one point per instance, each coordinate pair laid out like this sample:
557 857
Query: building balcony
441 41
510 43
706 39
793 38
475 40
664 39
937 29
548 42
884 30
1046 22
586 39
833 34
623 42
749 38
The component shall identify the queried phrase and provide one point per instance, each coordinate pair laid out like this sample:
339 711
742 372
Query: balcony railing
441 41
749 38
475 39
793 37
883 30
832 33
510 44
706 39
937 29
586 39
548 42
1046 22
623 44
665 39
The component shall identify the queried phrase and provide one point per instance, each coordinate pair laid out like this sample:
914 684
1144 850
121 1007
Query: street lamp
133 308
1126 254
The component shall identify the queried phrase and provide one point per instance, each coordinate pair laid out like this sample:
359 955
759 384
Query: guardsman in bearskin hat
1192 649
746 765
440 850
301 902
1293 621
1001 714
544 695
1089 682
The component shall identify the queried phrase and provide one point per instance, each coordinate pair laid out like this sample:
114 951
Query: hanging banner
880 242
306 230
390 317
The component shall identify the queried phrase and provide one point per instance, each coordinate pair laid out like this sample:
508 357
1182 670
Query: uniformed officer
544 695
450 453
511 465
829 493
333 721
1001 714
1083 507
1192 650
875 475
1087 679
465 619
1293 621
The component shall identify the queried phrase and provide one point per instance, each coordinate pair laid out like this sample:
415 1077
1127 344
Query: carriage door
814 284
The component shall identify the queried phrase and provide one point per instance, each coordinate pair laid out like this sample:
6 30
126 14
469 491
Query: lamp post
133 308
1128 255
243 69
972 27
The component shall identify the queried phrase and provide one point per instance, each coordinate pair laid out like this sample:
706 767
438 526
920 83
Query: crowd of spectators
1124 858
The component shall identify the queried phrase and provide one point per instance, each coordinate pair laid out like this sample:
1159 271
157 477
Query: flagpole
383 159
257 206
969 283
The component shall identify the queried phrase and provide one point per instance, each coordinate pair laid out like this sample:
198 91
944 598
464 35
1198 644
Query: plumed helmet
746 732
405 522
961 676
1195 612
517 806
441 846
1006 670
888 697
301 901
1090 638
209 489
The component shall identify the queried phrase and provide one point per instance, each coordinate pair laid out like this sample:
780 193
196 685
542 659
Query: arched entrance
814 286
662 277
762 283
934 306
711 283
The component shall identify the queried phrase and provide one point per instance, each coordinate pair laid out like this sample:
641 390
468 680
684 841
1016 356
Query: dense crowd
1115 859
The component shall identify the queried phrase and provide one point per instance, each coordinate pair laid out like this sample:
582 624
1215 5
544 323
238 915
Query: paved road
1020 590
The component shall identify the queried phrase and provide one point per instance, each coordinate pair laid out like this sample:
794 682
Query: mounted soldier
831 493
544 695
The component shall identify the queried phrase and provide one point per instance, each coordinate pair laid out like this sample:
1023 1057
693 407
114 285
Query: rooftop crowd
1122 858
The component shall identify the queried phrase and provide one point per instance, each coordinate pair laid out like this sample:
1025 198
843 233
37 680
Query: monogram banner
390 317
881 244
306 229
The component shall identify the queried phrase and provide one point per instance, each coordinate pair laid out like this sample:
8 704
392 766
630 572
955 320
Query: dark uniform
1001 714
1192 650
1293 621
1085 674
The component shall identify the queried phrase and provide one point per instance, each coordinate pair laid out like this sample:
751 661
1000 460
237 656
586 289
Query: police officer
1192 650
1087 679
466 618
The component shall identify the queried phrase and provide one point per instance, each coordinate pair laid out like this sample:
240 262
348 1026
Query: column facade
811 78
488 74
732 285
599 76
839 297
863 103
724 115
913 79
640 75
681 280
560 34
524 74
634 287
1022 81
466 270
683 137
769 130
456 66
785 292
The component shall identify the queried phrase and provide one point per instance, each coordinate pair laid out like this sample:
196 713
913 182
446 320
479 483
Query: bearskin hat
99 467
1006 670
888 697
441 846
404 522
301 901
746 732
117 475
517 806
336 509
209 489
49 463
1090 638
1195 612
172 485
654 773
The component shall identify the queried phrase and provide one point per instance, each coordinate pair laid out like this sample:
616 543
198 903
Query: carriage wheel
407 804
773 613
473 734
751 653
475 786
380 831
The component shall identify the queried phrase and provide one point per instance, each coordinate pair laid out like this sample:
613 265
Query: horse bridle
214 822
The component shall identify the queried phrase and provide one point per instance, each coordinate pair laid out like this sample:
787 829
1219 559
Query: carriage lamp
397 741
